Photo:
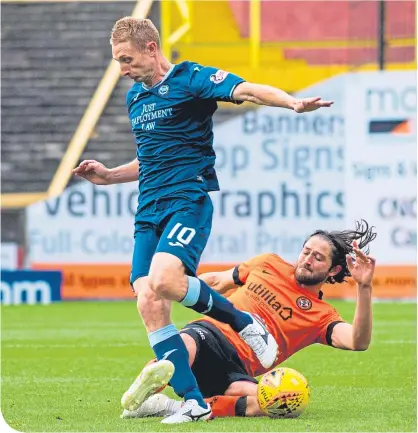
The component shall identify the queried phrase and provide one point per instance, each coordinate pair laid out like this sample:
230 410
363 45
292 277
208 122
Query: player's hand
310 104
362 269
94 171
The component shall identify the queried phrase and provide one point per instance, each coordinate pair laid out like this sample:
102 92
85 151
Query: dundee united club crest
304 303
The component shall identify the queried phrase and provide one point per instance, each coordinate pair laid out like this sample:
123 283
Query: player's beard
308 278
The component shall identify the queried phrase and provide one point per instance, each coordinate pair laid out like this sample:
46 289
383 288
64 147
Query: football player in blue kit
170 108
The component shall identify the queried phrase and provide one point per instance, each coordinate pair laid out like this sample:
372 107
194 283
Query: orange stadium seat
339 21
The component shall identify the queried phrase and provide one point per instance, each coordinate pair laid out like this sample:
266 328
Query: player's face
139 65
314 263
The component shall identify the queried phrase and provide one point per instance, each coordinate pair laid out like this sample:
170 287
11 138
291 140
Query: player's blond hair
139 31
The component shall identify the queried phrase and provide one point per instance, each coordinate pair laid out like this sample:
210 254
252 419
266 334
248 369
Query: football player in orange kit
288 298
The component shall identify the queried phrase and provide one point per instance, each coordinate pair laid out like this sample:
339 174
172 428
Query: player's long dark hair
341 243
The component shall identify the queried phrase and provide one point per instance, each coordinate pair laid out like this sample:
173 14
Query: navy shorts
217 363
178 225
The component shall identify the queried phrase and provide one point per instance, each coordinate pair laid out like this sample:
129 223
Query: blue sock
167 343
201 298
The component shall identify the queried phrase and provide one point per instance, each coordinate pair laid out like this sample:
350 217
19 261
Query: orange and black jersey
294 316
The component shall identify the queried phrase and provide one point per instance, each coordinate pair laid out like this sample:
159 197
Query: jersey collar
160 82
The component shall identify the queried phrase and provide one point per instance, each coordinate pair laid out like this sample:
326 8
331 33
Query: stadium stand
301 42
53 56
328 21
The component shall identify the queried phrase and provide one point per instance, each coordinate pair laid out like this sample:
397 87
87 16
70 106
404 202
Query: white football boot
190 411
154 406
261 341
151 379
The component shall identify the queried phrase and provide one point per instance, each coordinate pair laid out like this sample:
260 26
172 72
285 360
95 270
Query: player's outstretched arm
97 173
266 95
358 335
220 281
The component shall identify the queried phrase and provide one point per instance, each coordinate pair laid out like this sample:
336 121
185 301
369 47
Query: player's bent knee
168 284
140 284
161 283
167 276
190 346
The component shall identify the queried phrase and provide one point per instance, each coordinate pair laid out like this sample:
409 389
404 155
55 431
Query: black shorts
217 363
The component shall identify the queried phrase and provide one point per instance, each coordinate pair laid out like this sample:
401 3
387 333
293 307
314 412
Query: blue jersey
172 124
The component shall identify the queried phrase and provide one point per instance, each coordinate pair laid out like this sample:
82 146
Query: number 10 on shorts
182 235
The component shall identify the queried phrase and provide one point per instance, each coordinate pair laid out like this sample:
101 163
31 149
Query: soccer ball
283 393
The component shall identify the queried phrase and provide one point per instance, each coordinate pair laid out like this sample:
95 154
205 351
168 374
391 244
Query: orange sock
225 405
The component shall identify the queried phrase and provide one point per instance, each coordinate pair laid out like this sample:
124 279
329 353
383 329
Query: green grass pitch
65 367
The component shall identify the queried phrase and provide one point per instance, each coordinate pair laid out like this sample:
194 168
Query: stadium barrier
111 282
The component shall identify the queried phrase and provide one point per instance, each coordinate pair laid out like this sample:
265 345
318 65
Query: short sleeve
242 271
212 83
327 326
